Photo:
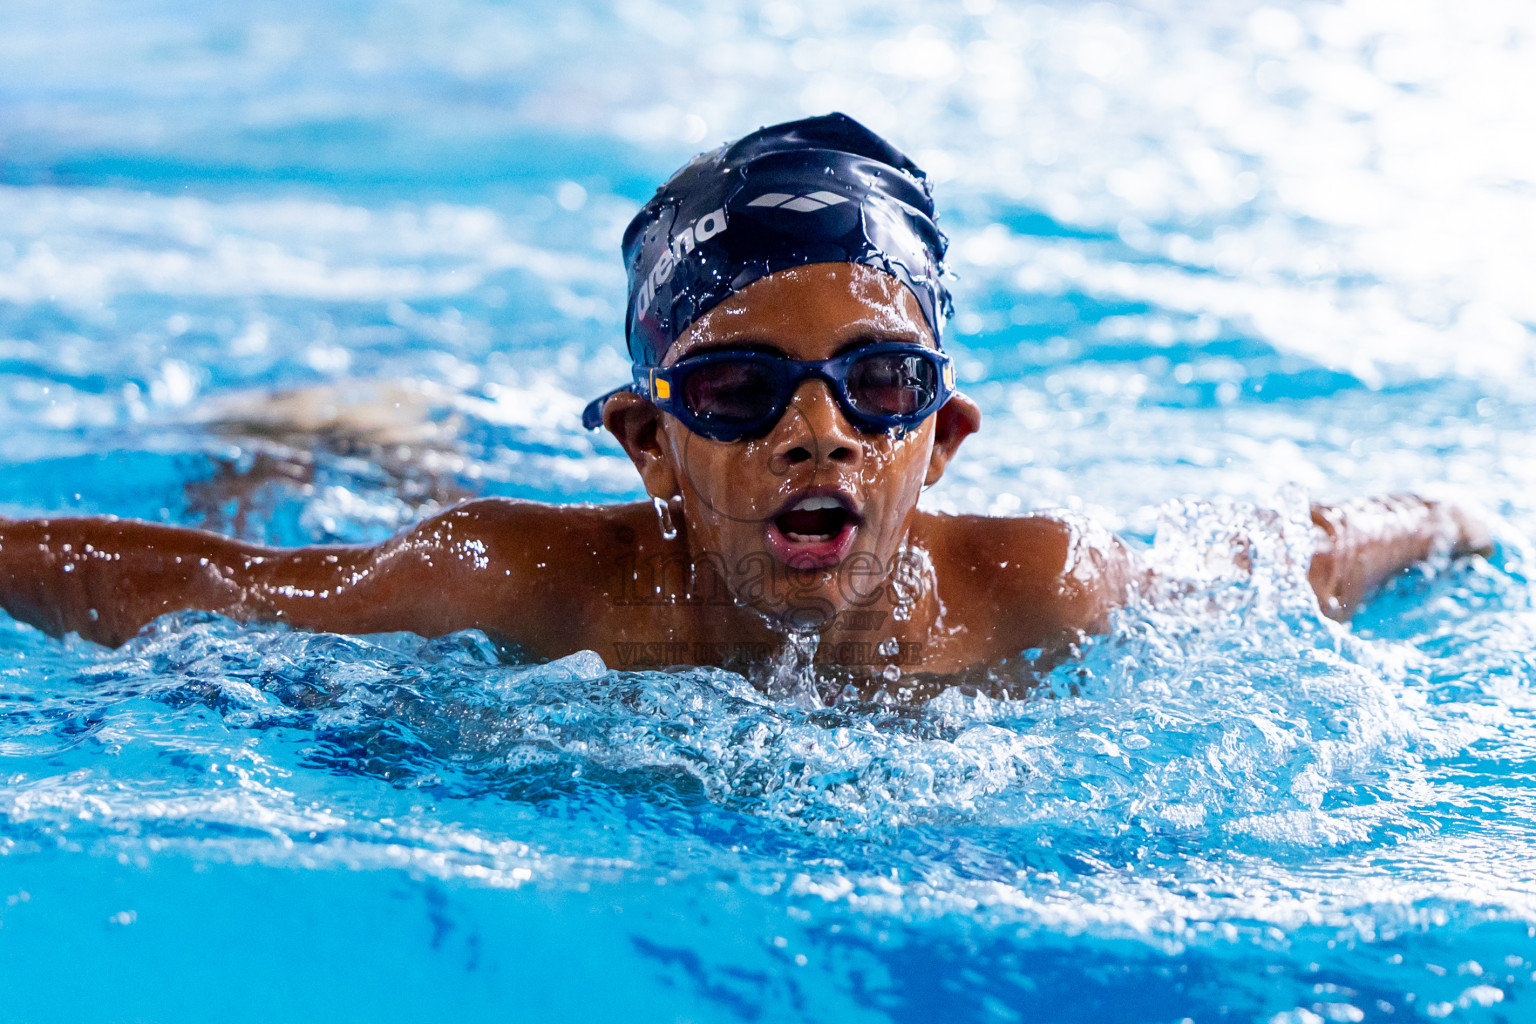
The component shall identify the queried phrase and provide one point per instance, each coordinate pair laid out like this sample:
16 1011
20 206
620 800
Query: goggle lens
891 384
731 392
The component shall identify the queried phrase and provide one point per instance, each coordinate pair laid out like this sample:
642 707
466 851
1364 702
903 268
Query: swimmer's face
809 518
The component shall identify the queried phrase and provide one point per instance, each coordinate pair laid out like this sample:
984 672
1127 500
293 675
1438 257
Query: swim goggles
738 394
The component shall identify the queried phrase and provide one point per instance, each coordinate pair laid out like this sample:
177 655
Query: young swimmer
790 400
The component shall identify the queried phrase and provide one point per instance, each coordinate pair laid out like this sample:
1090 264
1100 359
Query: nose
813 429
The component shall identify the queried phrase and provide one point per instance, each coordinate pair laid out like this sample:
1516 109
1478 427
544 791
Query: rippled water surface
1212 260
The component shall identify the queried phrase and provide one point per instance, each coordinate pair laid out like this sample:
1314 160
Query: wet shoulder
539 575
533 534
1064 570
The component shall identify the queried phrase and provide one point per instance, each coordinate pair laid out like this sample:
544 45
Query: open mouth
811 520
815 531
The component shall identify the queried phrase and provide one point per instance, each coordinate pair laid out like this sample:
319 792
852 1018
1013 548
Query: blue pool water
1212 260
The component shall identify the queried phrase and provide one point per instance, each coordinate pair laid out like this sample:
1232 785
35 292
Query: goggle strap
592 415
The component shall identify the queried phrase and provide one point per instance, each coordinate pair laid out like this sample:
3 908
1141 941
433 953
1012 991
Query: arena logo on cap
684 242
808 203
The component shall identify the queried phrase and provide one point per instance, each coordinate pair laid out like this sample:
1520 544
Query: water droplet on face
664 517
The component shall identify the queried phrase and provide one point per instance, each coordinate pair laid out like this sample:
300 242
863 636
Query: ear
636 423
957 420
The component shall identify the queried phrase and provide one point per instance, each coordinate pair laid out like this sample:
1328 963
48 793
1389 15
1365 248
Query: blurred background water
1210 258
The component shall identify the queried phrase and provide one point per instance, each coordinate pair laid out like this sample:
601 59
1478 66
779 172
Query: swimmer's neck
887 619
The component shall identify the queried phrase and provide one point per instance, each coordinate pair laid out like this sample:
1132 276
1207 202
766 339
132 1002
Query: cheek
729 490
897 468
893 477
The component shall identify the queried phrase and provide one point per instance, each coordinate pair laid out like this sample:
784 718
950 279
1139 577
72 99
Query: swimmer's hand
1363 543
1472 534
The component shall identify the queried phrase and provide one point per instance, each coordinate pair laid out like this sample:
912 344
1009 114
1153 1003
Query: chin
791 599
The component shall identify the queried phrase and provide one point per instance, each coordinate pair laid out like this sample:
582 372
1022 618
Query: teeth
812 504
806 538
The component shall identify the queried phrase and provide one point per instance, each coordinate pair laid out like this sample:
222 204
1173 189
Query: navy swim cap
822 190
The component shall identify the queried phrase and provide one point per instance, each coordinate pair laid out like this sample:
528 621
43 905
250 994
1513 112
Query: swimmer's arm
1363 543
106 578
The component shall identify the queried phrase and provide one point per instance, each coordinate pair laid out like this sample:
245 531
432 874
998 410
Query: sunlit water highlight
1210 260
